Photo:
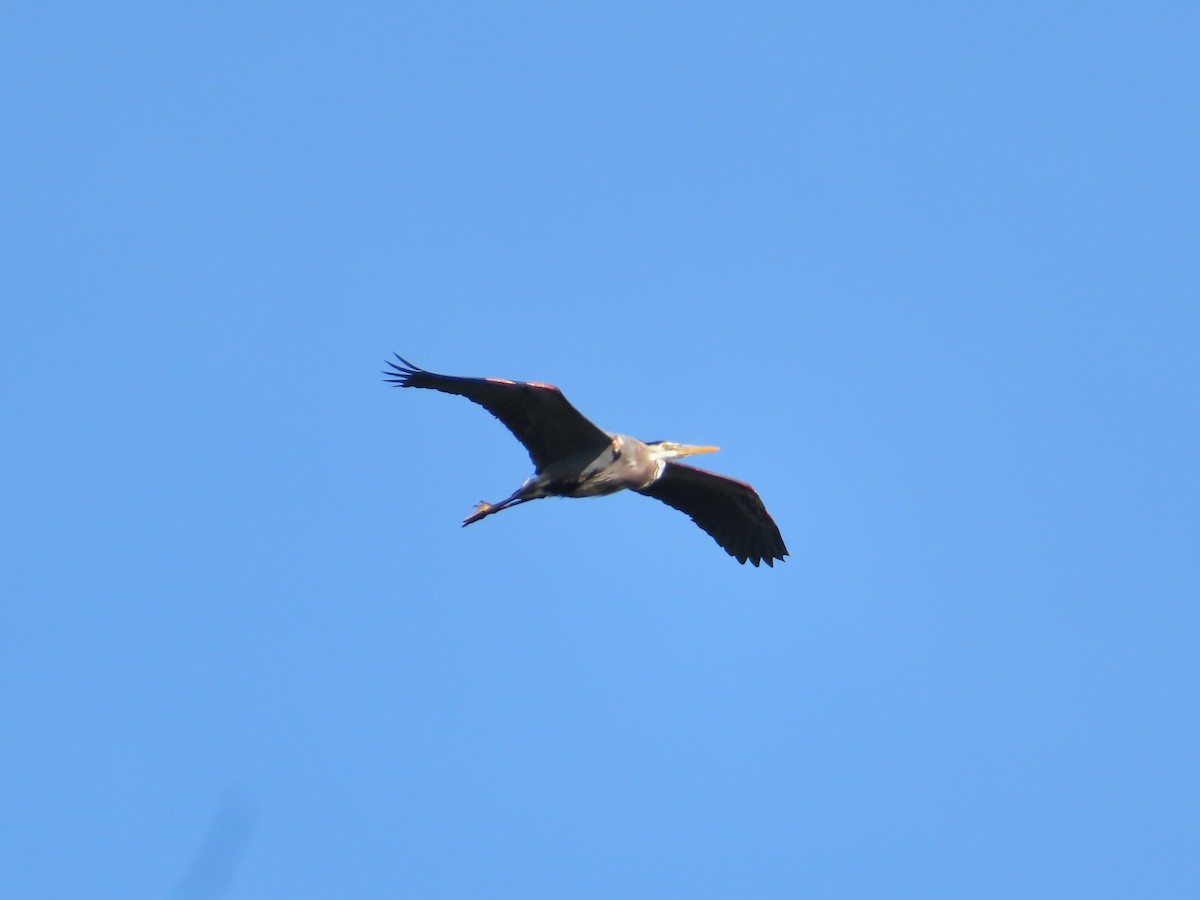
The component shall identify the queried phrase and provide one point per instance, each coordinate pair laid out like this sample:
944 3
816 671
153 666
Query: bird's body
626 463
574 458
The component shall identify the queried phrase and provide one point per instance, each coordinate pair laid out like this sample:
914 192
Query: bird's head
672 450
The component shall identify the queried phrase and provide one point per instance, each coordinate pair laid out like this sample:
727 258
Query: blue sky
927 274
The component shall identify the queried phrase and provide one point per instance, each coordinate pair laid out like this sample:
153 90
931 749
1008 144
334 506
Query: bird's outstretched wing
731 511
538 415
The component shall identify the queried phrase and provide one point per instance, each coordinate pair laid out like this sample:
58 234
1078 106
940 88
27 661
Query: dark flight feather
538 415
729 510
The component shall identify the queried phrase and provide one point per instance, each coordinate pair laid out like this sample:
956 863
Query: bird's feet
482 508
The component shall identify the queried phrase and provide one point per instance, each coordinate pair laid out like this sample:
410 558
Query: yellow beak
693 449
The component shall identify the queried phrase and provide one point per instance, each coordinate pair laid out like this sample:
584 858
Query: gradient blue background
926 272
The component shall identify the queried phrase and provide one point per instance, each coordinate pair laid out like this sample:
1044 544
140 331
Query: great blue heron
574 458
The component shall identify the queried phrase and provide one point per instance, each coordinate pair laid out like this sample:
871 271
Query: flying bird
572 457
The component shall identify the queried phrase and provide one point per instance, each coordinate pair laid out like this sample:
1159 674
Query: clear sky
927 273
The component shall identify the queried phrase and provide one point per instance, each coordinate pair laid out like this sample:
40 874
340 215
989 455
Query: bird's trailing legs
483 508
